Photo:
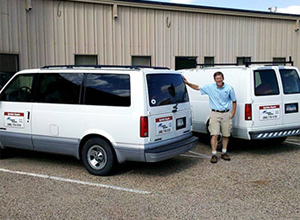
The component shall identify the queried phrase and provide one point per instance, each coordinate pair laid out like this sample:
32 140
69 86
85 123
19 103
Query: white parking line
196 155
75 181
193 156
289 142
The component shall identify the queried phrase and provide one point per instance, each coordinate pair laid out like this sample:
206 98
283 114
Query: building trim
193 8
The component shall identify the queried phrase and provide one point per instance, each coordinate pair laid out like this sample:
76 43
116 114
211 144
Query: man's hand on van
193 86
184 79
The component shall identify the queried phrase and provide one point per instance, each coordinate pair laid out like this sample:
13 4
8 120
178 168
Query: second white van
268 100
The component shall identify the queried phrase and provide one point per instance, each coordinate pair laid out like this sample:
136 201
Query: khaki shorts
220 123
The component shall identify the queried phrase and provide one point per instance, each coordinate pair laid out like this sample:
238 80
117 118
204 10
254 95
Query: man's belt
221 111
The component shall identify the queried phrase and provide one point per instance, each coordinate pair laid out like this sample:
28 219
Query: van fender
95 133
99 132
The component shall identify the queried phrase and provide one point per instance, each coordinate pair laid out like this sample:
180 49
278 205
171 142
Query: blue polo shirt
219 98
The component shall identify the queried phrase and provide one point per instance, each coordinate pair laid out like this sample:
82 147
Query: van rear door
168 106
267 99
291 95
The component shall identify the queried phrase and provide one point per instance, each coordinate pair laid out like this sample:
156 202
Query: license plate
180 123
291 108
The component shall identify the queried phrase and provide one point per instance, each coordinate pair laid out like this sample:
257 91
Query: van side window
265 83
63 88
290 81
107 89
19 89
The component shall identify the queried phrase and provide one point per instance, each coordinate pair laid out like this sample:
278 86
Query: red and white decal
269 112
164 125
14 119
164 119
18 114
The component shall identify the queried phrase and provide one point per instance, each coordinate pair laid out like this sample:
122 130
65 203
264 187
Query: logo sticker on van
291 108
14 119
164 125
269 112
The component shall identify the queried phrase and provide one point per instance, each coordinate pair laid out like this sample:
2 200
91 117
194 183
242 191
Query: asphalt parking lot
260 182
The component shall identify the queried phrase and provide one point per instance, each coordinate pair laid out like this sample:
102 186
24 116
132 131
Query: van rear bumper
170 150
276 133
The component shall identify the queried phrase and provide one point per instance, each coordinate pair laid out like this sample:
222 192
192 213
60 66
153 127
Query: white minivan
268 100
99 114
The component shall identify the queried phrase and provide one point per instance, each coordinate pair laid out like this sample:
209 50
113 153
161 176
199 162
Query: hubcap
97 157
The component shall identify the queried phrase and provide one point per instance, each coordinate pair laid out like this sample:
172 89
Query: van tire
98 157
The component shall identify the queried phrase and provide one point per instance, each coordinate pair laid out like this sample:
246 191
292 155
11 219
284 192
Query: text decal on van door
14 119
164 125
269 112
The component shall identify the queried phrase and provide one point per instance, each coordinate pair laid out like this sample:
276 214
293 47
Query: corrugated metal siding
54 31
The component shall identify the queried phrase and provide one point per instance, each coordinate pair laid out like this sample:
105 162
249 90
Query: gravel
260 182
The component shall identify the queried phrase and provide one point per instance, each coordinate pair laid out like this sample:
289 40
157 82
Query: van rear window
165 89
265 83
290 81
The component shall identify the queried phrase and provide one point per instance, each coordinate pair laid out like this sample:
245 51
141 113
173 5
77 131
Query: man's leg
214 129
226 128
214 145
225 141
214 142
224 155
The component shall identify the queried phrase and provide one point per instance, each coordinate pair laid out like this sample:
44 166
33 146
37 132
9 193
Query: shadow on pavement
255 146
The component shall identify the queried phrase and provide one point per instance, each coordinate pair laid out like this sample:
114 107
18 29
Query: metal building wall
54 31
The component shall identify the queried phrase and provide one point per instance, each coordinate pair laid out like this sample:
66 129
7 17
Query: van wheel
98 157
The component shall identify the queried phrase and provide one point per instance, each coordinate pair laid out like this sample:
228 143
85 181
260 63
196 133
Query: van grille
259 135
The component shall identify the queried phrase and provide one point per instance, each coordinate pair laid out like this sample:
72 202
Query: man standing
221 99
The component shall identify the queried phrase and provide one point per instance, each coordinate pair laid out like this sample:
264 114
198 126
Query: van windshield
165 89
290 81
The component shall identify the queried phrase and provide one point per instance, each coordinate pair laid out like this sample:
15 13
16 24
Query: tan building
34 33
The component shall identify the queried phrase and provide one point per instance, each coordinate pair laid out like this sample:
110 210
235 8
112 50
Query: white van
268 100
100 114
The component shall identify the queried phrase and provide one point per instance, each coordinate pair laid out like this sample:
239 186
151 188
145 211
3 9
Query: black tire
1 153
98 157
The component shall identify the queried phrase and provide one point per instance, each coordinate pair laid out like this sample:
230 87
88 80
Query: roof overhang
193 8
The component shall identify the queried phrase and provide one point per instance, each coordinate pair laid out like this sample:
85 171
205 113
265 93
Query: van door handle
28 116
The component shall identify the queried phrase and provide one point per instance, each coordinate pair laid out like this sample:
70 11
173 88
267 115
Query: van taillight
248 112
144 126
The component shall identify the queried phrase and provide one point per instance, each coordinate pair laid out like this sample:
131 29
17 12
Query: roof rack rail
248 63
202 65
290 61
101 66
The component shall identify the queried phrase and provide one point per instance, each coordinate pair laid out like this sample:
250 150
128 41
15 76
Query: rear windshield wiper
175 107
